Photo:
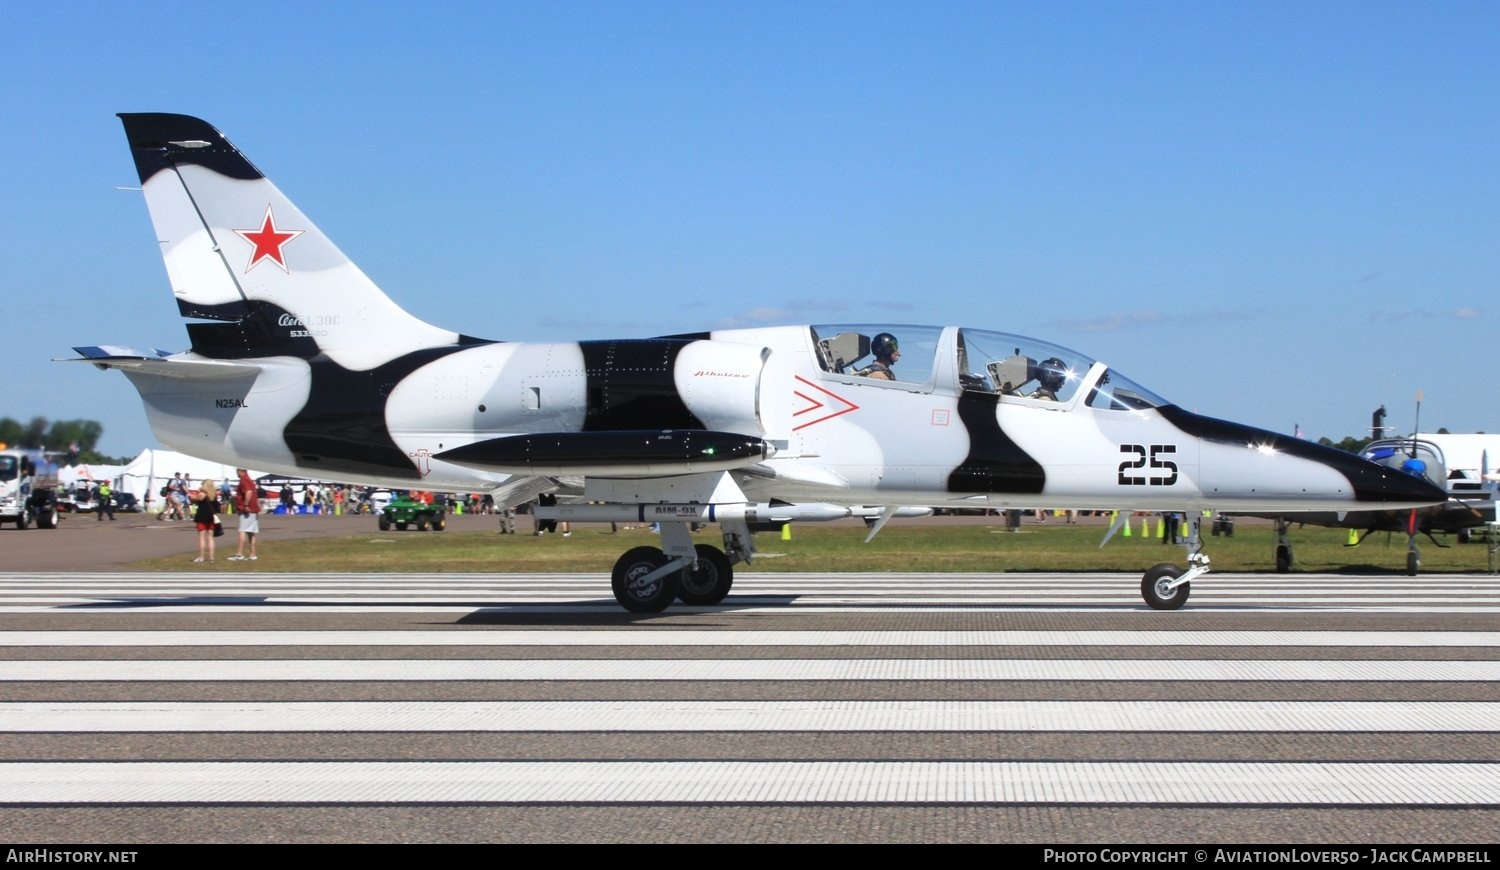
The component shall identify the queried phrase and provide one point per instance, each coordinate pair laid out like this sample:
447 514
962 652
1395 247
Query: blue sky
1277 213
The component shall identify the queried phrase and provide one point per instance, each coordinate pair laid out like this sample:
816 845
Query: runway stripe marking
752 716
648 636
801 607
842 670
257 584
233 591
260 572
231 577
756 782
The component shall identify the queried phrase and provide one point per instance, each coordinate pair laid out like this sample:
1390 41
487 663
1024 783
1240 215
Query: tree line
1351 444
66 441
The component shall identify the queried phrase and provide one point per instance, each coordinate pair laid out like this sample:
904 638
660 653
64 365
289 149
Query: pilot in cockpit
887 350
1050 375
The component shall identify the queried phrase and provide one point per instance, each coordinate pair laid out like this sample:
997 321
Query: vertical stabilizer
241 255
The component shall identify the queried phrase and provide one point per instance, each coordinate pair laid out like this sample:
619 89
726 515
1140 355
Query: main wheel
422 522
1283 559
1154 587
47 518
637 595
23 519
709 582
439 523
1412 564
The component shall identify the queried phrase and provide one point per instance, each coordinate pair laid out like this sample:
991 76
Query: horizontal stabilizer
162 364
615 453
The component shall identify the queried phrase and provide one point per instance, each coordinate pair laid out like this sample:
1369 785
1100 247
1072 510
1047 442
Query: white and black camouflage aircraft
300 364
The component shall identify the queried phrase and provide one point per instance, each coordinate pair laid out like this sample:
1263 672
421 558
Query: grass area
917 546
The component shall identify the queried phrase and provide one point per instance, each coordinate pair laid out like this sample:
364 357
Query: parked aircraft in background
300 364
1457 462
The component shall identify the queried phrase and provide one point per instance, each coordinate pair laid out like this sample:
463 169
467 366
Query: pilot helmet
1051 373
884 346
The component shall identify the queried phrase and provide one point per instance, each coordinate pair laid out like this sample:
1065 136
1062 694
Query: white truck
28 489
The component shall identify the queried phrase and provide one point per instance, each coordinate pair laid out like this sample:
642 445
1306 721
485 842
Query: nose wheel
1162 589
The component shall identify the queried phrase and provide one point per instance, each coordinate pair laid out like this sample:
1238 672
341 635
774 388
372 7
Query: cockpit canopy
1014 367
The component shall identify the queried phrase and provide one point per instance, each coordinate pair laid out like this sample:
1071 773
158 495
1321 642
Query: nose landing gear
1166 586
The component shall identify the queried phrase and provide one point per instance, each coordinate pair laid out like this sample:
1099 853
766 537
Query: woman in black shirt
205 516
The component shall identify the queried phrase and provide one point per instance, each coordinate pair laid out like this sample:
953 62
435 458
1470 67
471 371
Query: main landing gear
649 579
645 580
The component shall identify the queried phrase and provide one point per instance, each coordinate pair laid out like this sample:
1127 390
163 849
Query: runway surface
212 708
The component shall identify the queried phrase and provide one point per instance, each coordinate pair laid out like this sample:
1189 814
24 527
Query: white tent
88 475
149 472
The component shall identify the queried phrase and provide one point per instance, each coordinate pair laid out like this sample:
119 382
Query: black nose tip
1406 487
1379 484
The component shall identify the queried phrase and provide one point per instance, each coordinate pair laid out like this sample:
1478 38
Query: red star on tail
268 242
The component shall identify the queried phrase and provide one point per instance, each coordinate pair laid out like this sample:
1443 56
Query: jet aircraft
299 364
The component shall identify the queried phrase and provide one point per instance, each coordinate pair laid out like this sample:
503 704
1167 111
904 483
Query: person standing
541 526
106 502
507 520
180 497
169 506
205 503
247 503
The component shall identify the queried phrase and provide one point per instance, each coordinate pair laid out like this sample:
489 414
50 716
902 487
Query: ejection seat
839 353
1010 374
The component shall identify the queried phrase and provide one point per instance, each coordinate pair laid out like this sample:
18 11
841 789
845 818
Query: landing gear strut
1283 547
1166 586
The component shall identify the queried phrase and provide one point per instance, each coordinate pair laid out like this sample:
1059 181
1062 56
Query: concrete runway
1021 708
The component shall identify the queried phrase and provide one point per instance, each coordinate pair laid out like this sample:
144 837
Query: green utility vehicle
404 511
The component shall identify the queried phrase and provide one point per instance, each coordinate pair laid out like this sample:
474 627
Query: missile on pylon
693 512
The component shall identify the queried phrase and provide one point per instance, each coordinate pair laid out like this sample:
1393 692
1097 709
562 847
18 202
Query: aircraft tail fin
245 259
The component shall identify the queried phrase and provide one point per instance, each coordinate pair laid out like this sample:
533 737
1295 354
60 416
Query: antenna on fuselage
1416 426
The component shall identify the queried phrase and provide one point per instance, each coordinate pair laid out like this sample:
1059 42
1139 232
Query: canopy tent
88 475
150 471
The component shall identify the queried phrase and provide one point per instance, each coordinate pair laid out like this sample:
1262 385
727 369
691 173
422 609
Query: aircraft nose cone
1406 487
1369 483
1378 484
